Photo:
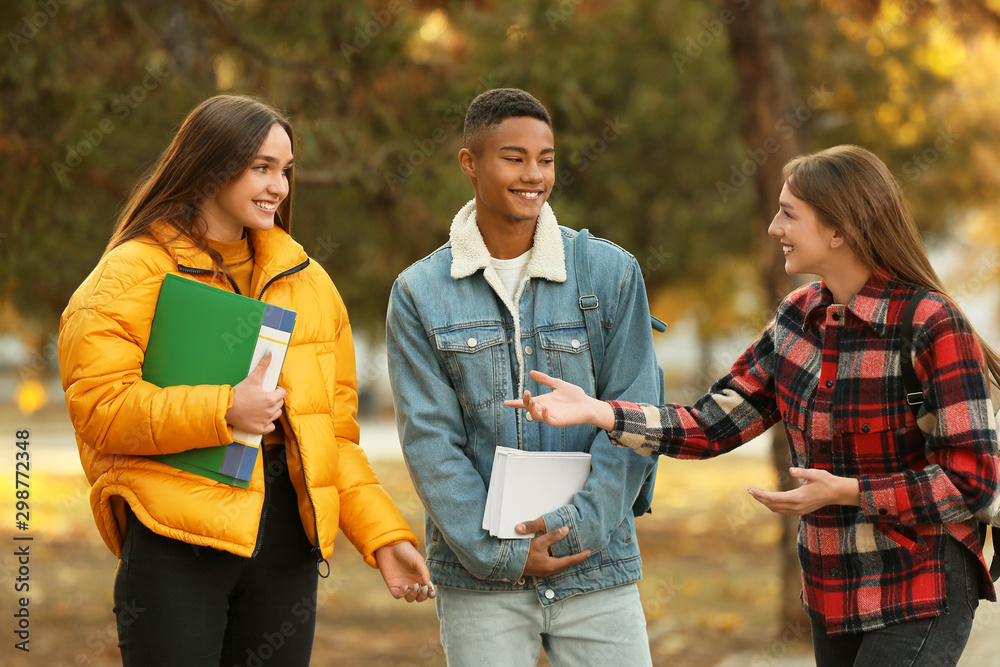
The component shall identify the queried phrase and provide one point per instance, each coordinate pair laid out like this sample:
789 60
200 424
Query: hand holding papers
526 485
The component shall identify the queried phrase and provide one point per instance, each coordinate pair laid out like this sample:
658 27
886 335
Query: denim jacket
458 346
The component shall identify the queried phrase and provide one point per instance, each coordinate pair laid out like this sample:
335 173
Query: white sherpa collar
469 253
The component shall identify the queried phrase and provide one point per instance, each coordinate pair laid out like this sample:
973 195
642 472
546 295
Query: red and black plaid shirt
831 373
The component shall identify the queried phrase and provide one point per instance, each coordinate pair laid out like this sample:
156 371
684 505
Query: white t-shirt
511 271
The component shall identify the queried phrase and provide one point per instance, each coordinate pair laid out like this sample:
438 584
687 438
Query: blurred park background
673 119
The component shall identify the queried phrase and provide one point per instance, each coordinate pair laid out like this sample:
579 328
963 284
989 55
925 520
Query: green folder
203 335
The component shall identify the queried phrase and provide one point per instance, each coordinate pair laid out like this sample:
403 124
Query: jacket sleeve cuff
392 537
515 557
879 499
570 544
223 429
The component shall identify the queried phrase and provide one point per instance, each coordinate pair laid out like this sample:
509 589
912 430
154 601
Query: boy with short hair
465 325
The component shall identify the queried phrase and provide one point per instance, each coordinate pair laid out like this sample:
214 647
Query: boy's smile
513 176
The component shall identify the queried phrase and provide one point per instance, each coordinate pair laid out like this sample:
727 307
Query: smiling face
809 245
251 200
513 174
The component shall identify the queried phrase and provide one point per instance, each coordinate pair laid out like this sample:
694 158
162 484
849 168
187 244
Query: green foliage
642 93
894 83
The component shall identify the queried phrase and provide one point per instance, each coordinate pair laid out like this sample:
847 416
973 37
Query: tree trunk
769 98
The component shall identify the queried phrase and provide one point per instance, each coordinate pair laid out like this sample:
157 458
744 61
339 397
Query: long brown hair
856 194
216 144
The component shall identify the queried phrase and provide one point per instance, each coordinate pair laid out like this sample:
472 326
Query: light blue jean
506 629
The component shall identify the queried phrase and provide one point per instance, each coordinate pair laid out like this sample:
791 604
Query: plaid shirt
831 373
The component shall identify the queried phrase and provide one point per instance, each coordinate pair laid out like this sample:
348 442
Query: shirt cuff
631 426
878 499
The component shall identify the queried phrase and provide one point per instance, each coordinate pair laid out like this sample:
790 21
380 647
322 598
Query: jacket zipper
263 511
294 269
267 487
317 550
202 272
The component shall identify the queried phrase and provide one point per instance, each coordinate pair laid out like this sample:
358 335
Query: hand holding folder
206 335
254 407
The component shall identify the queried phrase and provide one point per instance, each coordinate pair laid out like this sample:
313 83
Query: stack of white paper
526 485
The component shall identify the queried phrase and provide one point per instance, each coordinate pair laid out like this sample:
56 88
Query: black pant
177 604
926 642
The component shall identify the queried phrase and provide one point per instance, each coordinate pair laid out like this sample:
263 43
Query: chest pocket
566 354
477 363
876 446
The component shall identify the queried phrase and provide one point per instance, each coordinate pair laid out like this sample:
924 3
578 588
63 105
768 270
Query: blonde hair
856 194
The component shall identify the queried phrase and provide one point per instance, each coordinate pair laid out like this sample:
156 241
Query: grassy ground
710 586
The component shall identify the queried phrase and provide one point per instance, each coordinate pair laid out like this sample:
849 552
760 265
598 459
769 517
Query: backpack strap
589 301
914 392
915 398
591 317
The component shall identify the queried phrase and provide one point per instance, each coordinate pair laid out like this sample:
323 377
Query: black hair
495 106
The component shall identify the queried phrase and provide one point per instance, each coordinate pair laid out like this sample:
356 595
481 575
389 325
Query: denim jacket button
472 342
520 582
575 343
527 349
550 594
527 415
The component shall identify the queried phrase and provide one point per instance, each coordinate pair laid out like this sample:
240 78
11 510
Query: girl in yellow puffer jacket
208 571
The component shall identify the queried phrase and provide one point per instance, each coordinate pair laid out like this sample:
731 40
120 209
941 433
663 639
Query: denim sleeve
433 434
628 373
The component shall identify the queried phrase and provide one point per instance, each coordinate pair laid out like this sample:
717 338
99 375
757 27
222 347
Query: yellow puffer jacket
119 418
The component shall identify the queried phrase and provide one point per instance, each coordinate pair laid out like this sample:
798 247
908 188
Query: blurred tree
91 93
377 92
672 122
773 113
